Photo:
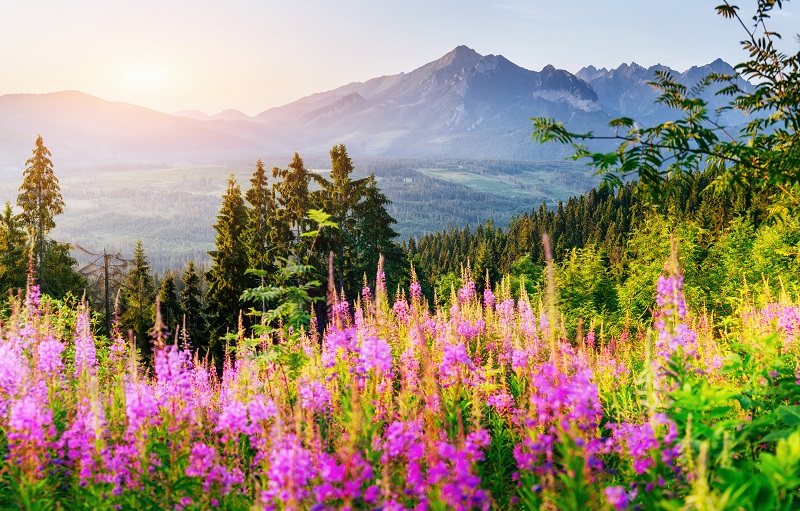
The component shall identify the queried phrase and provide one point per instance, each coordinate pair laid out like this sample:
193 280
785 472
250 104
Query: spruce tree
13 257
226 277
340 198
40 200
138 294
192 304
375 236
294 197
171 313
257 235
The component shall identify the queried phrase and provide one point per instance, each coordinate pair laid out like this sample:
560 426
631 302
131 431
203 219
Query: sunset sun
144 77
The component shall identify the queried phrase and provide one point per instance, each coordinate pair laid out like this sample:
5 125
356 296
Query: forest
632 347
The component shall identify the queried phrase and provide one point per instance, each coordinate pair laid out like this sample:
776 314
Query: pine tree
171 313
138 294
13 260
192 304
40 200
294 197
257 235
375 236
339 198
226 277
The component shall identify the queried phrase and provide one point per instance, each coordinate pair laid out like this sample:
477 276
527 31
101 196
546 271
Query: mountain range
463 105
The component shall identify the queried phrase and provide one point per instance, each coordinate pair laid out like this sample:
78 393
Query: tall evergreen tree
171 313
375 236
139 294
226 277
40 200
257 235
13 259
339 198
294 197
192 304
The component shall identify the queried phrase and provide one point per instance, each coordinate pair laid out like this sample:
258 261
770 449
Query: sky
252 55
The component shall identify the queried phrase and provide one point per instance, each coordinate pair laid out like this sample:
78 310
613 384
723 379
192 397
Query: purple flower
618 497
261 409
313 396
401 310
30 421
501 401
468 292
488 299
48 353
375 354
291 469
415 291
455 362
232 420
338 345
85 351
81 438
141 405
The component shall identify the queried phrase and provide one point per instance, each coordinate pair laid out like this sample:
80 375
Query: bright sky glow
255 54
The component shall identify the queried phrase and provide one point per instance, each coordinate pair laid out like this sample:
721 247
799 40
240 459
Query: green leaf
790 415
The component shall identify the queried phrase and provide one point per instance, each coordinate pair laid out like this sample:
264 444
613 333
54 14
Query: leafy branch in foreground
295 285
764 154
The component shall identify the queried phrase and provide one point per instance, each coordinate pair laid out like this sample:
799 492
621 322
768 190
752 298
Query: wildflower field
486 405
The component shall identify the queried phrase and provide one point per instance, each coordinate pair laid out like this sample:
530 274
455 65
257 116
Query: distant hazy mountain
463 105
625 90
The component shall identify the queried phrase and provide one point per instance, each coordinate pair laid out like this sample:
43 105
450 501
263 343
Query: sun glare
145 77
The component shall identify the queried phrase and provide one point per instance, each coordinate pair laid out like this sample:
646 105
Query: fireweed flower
340 313
232 421
173 386
561 406
13 370
455 365
290 472
375 354
467 293
469 330
673 333
415 291
501 401
400 310
618 497
141 406
48 356
775 317
33 300
313 395
81 440
29 432
85 351
488 299
338 345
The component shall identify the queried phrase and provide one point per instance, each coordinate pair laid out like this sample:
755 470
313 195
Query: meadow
484 403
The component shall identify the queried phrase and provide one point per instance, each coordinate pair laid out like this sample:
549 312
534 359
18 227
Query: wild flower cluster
487 405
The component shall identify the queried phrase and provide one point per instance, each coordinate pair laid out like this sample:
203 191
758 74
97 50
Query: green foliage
229 262
39 198
192 305
764 155
171 312
138 296
13 260
586 291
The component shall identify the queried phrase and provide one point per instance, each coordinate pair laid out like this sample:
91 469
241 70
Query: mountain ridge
461 105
